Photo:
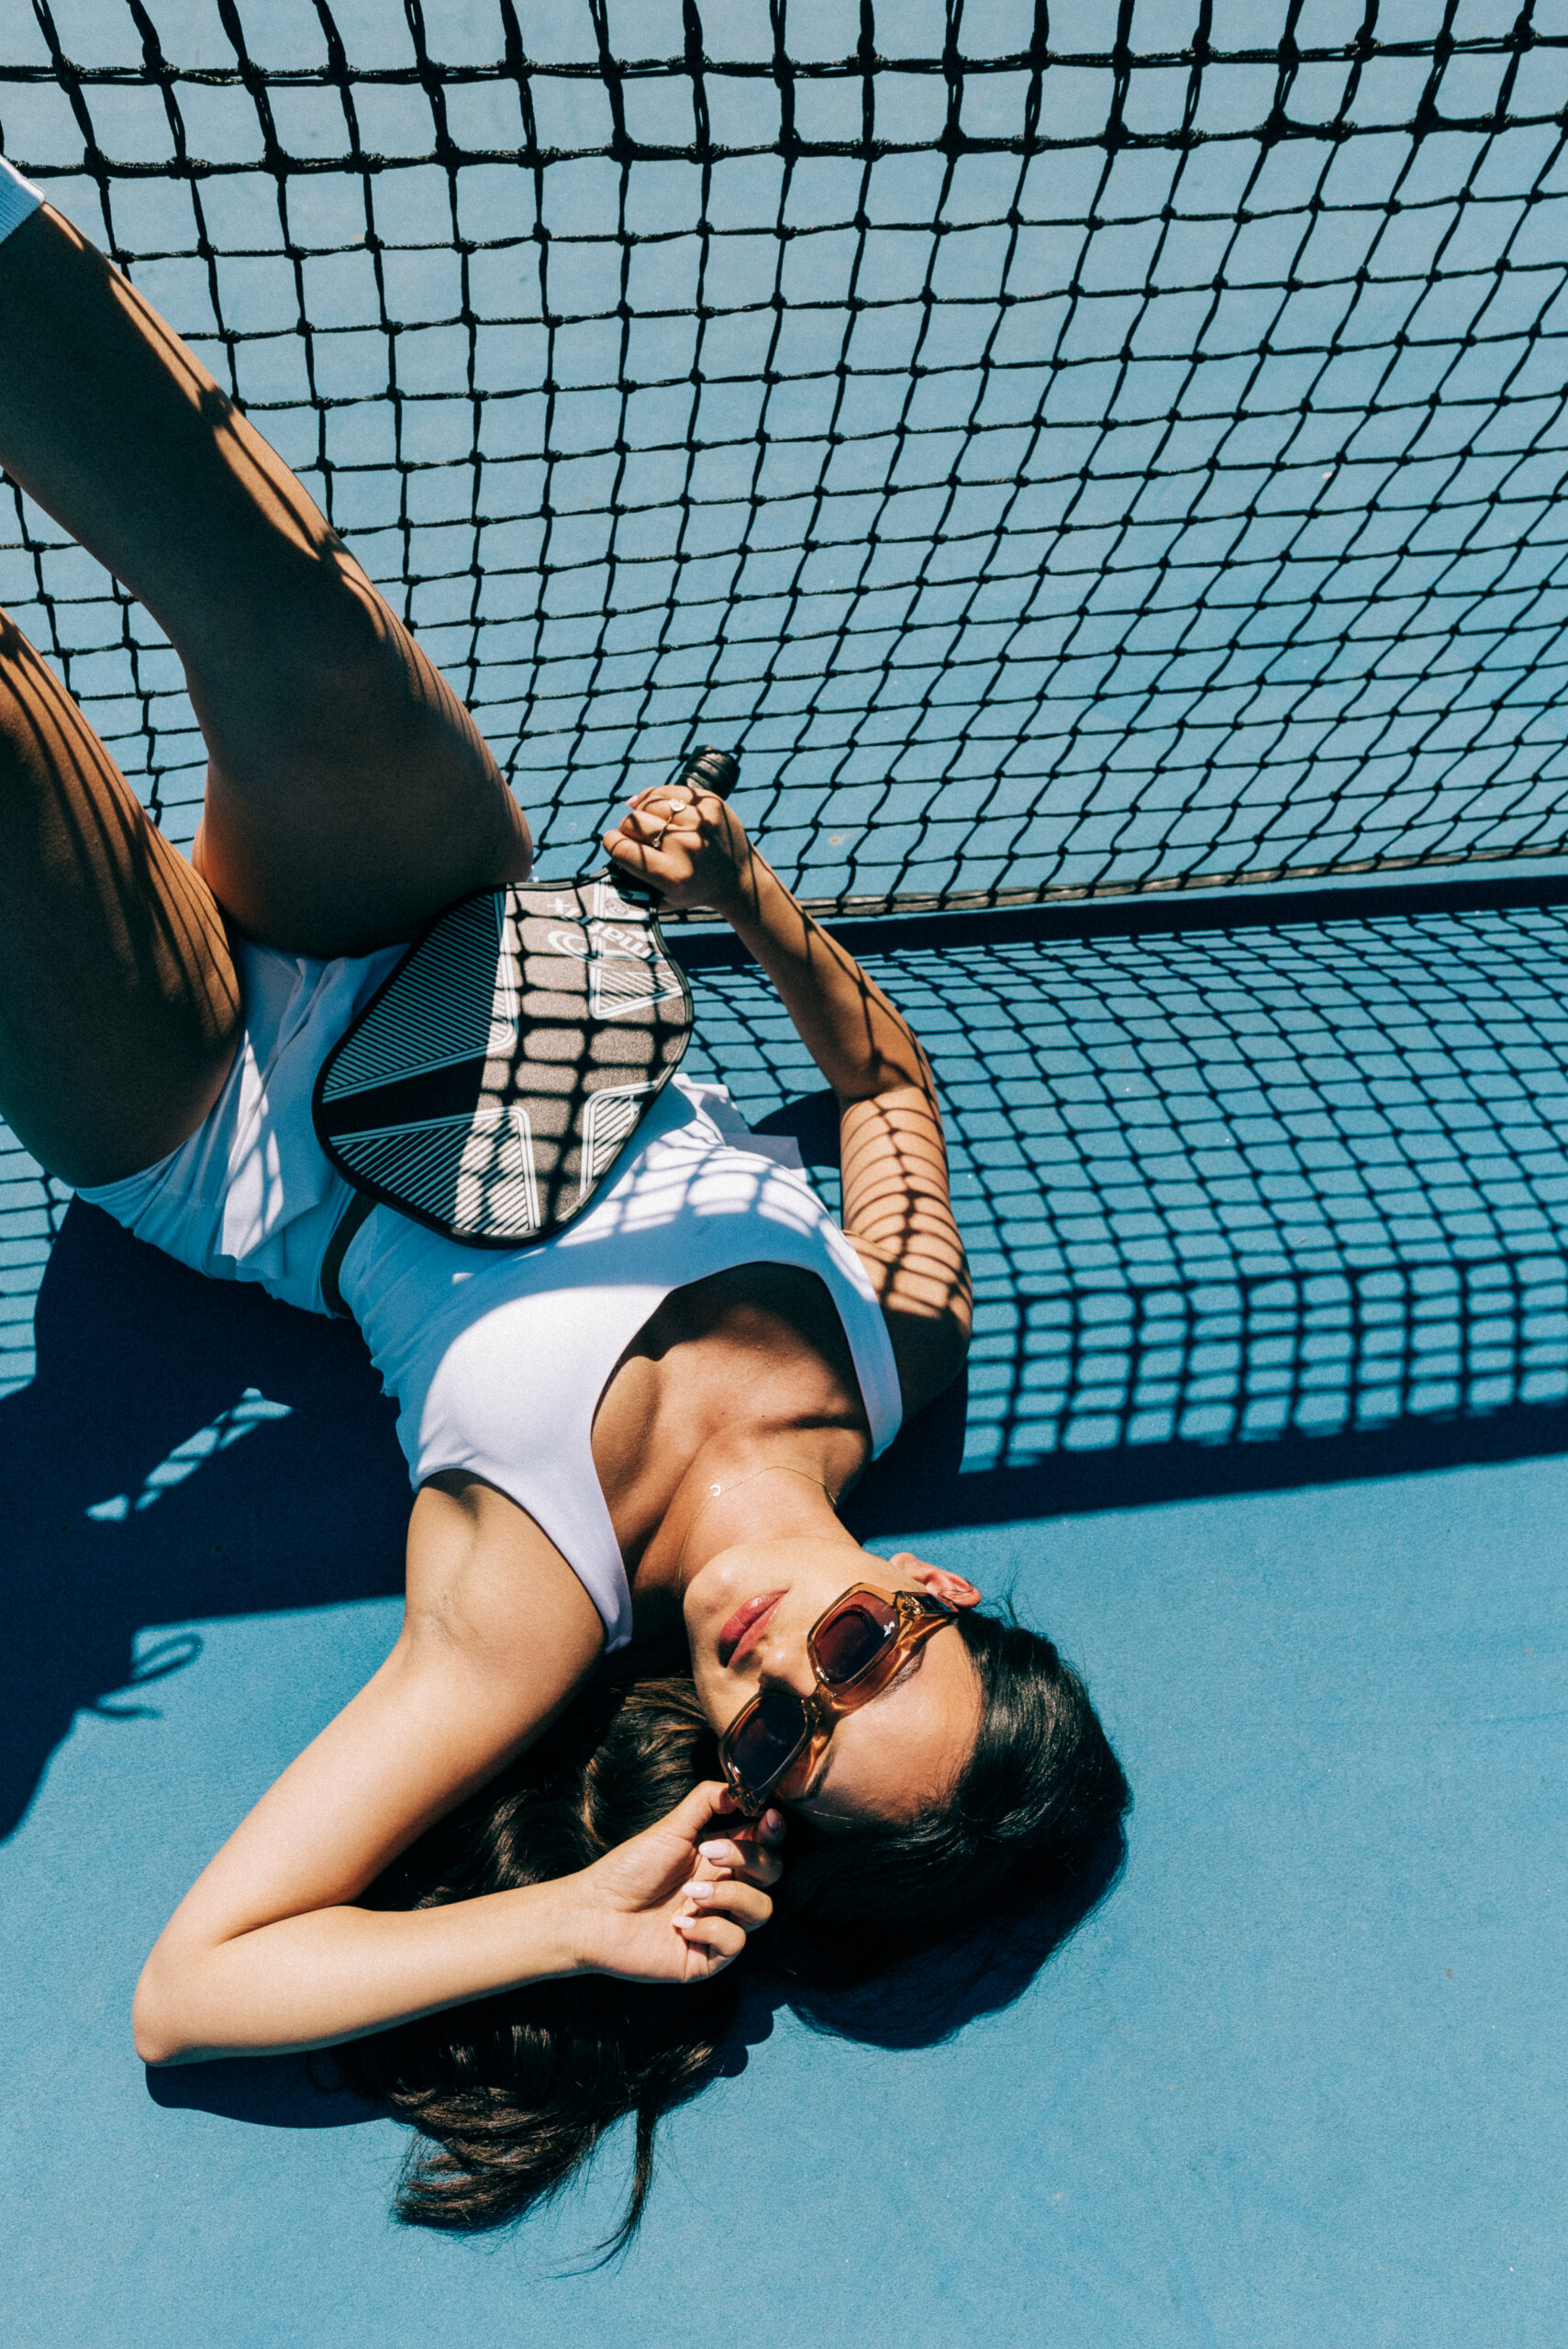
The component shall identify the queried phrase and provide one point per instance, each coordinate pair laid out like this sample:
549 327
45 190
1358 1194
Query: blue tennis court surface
1265 1426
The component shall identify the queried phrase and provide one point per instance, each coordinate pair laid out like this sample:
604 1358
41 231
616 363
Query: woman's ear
954 1588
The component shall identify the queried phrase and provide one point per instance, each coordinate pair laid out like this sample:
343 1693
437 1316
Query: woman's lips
744 1628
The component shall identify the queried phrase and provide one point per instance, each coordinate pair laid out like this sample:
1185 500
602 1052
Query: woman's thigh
350 795
119 1006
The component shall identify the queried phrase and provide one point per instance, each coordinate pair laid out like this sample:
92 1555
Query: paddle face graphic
491 1085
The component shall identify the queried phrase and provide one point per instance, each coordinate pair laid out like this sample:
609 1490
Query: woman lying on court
506 1883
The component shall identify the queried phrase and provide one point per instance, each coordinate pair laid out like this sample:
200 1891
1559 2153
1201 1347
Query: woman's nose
783 1663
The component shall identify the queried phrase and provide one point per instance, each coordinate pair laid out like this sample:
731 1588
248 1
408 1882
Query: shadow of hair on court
970 1973
267 2091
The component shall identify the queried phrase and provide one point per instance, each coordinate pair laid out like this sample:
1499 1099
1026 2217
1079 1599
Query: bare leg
119 1011
350 795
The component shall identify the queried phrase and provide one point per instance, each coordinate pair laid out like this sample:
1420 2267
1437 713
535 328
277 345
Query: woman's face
747 1614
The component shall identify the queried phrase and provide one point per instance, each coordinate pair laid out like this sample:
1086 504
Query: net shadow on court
1266 1204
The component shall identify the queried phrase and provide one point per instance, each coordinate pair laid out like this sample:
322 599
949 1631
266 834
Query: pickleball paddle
489 1086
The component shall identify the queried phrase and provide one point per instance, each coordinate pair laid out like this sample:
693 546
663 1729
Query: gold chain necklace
779 1468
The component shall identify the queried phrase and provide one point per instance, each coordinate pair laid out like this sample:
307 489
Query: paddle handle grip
711 770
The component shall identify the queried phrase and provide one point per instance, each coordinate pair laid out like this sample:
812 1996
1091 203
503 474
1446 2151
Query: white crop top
498 1362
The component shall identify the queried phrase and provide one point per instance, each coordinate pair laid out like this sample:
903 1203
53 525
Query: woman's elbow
155 2015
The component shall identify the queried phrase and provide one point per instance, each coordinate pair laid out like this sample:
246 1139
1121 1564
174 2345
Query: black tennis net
1098 447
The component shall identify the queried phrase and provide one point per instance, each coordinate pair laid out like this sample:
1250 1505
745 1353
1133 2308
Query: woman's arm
897 1206
267 1950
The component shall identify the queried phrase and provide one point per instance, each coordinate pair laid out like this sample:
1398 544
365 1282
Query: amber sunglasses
855 1649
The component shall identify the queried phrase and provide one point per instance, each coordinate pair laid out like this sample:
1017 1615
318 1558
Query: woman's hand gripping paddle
489 1087
679 847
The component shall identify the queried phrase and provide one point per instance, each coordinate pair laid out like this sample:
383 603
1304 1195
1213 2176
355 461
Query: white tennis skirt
251 1196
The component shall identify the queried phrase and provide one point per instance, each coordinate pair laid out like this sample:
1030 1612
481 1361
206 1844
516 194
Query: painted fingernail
772 1824
719 1851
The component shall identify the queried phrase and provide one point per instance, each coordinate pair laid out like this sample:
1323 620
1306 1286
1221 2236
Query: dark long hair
512 2094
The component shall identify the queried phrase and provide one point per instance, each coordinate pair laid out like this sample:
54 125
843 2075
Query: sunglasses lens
854 1637
765 1744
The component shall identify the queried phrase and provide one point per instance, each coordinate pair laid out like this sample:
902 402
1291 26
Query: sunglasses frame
919 1613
